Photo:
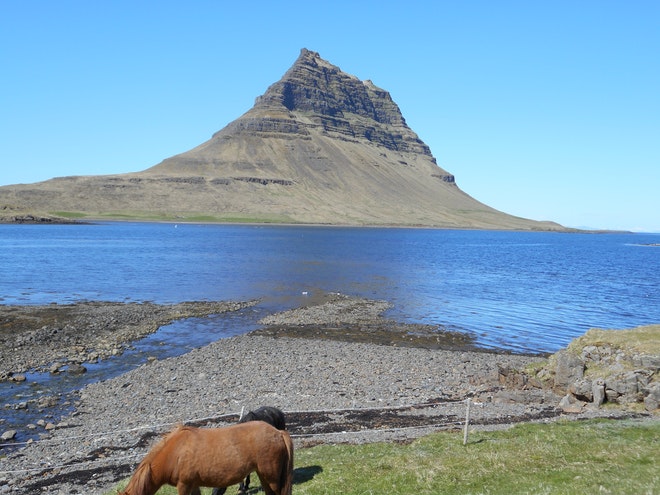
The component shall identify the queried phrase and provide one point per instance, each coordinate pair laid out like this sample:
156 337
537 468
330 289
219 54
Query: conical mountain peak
319 146
316 86
339 103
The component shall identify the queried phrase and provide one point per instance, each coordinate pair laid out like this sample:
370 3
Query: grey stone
570 404
582 389
598 392
611 395
648 361
651 403
629 398
570 368
623 384
652 399
76 369
8 435
55 368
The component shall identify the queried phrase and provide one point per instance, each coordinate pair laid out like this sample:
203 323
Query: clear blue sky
544 109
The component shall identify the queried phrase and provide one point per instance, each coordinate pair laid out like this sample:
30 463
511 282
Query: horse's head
141 482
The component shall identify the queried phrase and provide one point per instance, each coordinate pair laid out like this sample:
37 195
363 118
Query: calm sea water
524 292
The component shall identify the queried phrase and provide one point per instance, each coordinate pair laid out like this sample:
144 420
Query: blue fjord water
519 291
523 291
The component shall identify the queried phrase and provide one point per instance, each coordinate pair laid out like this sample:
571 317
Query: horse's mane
159 446
141 480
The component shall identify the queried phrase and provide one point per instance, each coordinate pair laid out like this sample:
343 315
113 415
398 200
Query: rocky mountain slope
320 146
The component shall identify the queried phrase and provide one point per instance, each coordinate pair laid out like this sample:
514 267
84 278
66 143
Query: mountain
319 146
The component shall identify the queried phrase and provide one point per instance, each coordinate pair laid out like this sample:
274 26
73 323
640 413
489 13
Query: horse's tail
286 475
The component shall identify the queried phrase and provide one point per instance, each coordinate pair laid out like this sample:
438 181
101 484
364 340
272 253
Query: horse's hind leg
269 488
244 486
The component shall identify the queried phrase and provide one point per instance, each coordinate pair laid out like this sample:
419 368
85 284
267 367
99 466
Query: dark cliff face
313 85
339 103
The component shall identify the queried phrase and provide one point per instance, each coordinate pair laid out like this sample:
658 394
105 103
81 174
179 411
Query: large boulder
568 370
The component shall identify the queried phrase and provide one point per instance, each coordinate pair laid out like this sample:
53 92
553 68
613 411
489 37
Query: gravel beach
332 389
34 337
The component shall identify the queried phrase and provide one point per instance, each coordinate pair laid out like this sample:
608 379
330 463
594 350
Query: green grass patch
645 340
256 219
138 216
600 456
533 368
68 214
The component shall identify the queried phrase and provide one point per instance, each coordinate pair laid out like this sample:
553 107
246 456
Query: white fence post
467 421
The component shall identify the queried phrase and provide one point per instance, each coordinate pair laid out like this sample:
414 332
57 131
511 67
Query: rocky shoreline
16 215
332 388
38 337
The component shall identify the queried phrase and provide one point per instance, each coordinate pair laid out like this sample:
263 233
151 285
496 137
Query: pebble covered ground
35 337
315 381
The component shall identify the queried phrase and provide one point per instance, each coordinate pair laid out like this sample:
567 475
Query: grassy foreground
571 457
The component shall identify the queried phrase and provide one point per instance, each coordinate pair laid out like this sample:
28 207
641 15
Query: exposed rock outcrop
615 366
339 104
13 214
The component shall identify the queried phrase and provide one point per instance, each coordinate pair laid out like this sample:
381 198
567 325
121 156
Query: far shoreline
81 219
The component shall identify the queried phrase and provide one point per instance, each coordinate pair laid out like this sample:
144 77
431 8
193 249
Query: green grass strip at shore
566 457
68 214
173 218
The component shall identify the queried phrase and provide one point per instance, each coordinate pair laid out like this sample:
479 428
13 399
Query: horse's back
224 456
256 445
249 438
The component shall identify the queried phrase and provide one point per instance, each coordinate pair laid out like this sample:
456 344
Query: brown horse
188 458
272 416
